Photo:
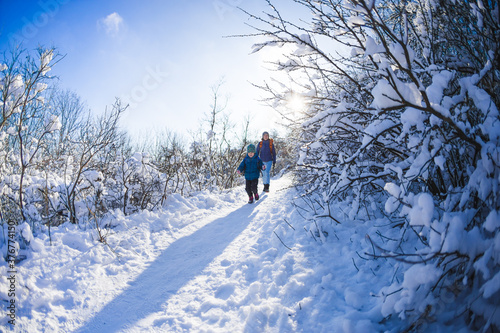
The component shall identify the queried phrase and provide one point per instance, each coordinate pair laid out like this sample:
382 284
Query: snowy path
168 295
175 267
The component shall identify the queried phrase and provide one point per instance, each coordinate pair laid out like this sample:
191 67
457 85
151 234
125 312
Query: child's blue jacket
251 167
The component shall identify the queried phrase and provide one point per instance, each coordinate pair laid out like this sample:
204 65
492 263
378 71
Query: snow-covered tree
402 106
26 121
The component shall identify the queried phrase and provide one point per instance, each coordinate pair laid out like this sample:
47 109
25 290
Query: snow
371 47
398 52
45 60
385 96
492 222
355 20
440 161
212 263
413 117
440 82
11 131
492 286
416 277
375 129
25 232
421 213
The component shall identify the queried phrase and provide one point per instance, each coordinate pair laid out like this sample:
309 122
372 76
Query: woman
267 153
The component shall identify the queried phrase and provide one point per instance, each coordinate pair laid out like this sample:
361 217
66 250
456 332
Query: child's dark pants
251 186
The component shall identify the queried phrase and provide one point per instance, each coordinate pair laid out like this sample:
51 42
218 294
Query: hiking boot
250 200
256 196
266 187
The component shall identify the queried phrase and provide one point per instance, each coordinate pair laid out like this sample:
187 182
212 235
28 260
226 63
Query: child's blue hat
251 148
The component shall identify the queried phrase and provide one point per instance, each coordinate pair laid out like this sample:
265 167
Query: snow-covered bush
46 146
59 163
403 113
216 149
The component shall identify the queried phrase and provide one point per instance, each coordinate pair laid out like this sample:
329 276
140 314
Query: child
251 166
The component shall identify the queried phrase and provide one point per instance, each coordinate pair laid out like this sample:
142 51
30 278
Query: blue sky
160 56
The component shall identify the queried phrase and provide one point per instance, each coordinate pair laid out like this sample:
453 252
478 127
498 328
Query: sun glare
296 103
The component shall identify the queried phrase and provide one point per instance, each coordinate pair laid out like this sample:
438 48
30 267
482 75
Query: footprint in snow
225 263
225 291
